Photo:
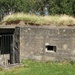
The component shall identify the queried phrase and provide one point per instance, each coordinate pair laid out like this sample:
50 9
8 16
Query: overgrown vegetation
28 19
41 68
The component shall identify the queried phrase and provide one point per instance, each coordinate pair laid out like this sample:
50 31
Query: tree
53 6
66 7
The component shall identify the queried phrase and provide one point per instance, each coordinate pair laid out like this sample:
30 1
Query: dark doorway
6 47
7 53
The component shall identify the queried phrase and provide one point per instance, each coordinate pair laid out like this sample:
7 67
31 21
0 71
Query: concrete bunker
37 43
8 53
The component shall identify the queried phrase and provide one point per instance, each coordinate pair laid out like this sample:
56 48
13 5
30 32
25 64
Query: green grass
41 68
28 19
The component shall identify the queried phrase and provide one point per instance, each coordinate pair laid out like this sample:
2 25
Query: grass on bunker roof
31 19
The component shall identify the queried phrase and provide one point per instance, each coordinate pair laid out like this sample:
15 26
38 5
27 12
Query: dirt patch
13 22
22 22
19 22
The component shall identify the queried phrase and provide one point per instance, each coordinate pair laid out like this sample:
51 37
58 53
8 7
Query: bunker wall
47 43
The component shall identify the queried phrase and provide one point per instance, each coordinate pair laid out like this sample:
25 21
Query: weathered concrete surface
30 42
33 40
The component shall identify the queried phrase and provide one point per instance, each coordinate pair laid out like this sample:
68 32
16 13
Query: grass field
28 19
41 68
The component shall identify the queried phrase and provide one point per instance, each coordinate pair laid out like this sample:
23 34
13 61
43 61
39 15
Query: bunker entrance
7 51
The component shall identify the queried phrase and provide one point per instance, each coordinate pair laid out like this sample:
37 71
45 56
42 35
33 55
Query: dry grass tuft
58 20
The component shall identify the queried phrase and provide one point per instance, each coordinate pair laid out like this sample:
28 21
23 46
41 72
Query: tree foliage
53 6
